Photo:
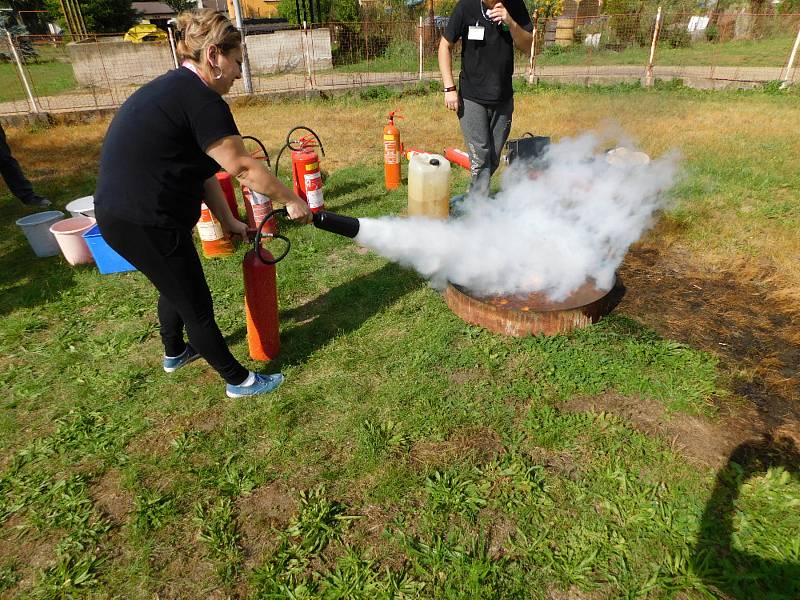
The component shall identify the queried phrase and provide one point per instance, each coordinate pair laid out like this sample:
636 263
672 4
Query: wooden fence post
648 77
787 78
532 60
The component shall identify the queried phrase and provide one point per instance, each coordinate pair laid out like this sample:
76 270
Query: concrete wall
282 51
112 62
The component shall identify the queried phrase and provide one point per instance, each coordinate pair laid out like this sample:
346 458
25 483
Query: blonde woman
157 164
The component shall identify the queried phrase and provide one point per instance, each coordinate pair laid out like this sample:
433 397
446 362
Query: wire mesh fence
53 74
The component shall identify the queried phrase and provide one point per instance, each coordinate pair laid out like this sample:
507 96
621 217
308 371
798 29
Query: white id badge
475 33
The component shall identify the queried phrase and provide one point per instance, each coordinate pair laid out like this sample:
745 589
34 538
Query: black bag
529 147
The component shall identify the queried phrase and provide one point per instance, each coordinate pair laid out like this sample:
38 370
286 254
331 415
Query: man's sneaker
262 384
173 363
38 201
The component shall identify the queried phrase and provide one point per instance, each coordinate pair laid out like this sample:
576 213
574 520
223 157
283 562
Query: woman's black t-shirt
487 65
153 162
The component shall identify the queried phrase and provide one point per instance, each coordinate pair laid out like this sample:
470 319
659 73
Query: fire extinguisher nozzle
346 226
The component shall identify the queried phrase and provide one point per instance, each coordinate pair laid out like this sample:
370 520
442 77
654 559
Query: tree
100 16
180 5
345 11
22 41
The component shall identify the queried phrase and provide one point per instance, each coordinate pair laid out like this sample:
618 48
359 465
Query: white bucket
36 228
82 207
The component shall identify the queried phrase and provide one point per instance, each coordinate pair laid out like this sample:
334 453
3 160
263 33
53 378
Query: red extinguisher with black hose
306 173
261 293
260 288
257 205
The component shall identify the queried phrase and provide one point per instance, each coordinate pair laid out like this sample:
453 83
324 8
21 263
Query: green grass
419 457
768 52
49 75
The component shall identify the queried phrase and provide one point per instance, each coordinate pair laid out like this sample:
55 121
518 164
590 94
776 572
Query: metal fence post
22 76
307 55
787 78
648 78
419 30
172 47
248 82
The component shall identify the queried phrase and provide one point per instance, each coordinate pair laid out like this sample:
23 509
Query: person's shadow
721 565
28 281
341 310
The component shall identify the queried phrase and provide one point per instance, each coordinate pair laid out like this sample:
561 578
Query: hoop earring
219 74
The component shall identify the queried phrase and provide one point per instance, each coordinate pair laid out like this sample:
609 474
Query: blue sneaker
456 205
173 363
263 384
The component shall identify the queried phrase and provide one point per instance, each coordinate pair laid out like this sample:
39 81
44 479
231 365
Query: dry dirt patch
111 499
27 550
731 314
267 509
479 443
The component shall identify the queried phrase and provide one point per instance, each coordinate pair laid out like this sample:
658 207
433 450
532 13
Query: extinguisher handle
260 145
259 234
292 146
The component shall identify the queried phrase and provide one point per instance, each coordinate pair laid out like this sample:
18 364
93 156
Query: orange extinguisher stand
213 239
391 152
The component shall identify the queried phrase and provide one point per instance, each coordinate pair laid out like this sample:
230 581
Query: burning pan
534 314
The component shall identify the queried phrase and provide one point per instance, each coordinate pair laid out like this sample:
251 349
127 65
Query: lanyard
483 12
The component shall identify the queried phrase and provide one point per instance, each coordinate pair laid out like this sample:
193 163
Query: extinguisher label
313 183
388 137
259 199
312 166
261 206
390 154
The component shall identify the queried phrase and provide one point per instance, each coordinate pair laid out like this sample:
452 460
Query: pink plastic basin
68 234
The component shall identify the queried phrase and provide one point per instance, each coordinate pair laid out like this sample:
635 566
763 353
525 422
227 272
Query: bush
678 37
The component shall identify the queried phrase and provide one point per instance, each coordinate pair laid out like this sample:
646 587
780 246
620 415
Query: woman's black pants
168 258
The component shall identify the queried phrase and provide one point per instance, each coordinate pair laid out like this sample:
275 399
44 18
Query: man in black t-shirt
484 101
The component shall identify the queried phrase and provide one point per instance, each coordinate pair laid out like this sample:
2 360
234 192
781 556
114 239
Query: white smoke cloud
573 223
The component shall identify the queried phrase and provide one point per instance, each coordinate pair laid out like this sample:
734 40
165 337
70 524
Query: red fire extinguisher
391 152
227 189
257 205
261 294
306 174
459 157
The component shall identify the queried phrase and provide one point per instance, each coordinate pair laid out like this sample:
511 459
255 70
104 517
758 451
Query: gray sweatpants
485 128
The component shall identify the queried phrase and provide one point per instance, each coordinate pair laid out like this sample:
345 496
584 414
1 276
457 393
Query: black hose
257 241
289 145
309 130
260 145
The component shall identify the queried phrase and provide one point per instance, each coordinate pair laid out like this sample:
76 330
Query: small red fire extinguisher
306 173
391 152
261 294
257 205
459 157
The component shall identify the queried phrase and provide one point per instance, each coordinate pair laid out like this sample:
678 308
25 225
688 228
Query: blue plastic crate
105 257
